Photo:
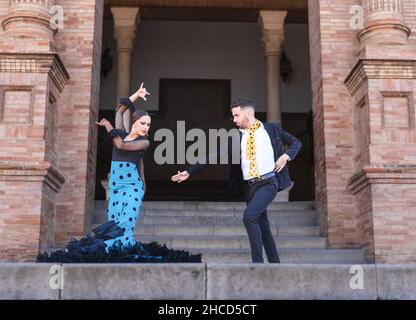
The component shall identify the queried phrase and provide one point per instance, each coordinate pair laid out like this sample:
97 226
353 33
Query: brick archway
363 115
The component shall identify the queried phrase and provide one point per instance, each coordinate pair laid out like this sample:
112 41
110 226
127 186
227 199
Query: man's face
240 117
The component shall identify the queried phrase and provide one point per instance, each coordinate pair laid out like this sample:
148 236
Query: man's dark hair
242 103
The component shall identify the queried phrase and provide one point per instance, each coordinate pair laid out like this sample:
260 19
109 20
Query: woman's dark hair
136 115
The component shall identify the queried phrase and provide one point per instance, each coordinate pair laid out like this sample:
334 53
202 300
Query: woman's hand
102 122
142 92
105 123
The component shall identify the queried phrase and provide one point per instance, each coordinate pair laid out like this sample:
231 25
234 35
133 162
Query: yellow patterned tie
251 150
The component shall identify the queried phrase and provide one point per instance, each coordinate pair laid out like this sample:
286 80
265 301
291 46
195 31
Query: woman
127 183
127 187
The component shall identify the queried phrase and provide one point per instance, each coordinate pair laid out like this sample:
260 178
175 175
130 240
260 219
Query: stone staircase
216 230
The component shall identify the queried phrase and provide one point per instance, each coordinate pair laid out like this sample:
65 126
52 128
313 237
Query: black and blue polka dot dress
125 184
126 195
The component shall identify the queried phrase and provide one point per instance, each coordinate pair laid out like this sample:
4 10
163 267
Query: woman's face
142 126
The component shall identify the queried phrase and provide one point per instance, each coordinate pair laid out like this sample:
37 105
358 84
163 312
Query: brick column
29 19
79 44
383 23
27 26
383 86
125 25
272 29
32 77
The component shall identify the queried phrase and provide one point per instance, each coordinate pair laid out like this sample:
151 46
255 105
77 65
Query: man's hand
180 176
281 162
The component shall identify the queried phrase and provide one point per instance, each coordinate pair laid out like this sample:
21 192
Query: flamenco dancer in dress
127 184
114 240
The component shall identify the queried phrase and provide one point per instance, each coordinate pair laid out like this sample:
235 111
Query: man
263 168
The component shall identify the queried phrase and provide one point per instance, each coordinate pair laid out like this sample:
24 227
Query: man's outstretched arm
184 175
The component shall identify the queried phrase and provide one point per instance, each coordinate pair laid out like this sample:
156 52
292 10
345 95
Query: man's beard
245 122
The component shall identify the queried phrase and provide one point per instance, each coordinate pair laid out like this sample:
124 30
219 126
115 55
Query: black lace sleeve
122 106
136 145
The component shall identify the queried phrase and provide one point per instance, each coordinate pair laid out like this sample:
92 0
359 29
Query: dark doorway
202 104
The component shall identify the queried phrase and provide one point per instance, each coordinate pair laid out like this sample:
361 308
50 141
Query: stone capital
272 29
125 25
125 36
125 16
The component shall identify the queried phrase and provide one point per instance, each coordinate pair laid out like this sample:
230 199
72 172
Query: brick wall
409 13
392 120
384 183
365 224
28 176
317 108
333 52
20 203
44 134
4 9
394 222
79 45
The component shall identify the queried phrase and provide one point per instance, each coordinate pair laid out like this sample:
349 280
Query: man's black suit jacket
278 138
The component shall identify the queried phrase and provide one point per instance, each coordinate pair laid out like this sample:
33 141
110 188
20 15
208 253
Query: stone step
315 256
218 230
220 213
295 220
188 214
205 205
211 205
231 242
99 216
212 281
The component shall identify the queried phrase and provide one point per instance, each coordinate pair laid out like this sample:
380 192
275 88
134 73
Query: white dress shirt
264 152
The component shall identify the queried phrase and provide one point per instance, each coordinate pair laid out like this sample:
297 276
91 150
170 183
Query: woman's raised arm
127 103
122 106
